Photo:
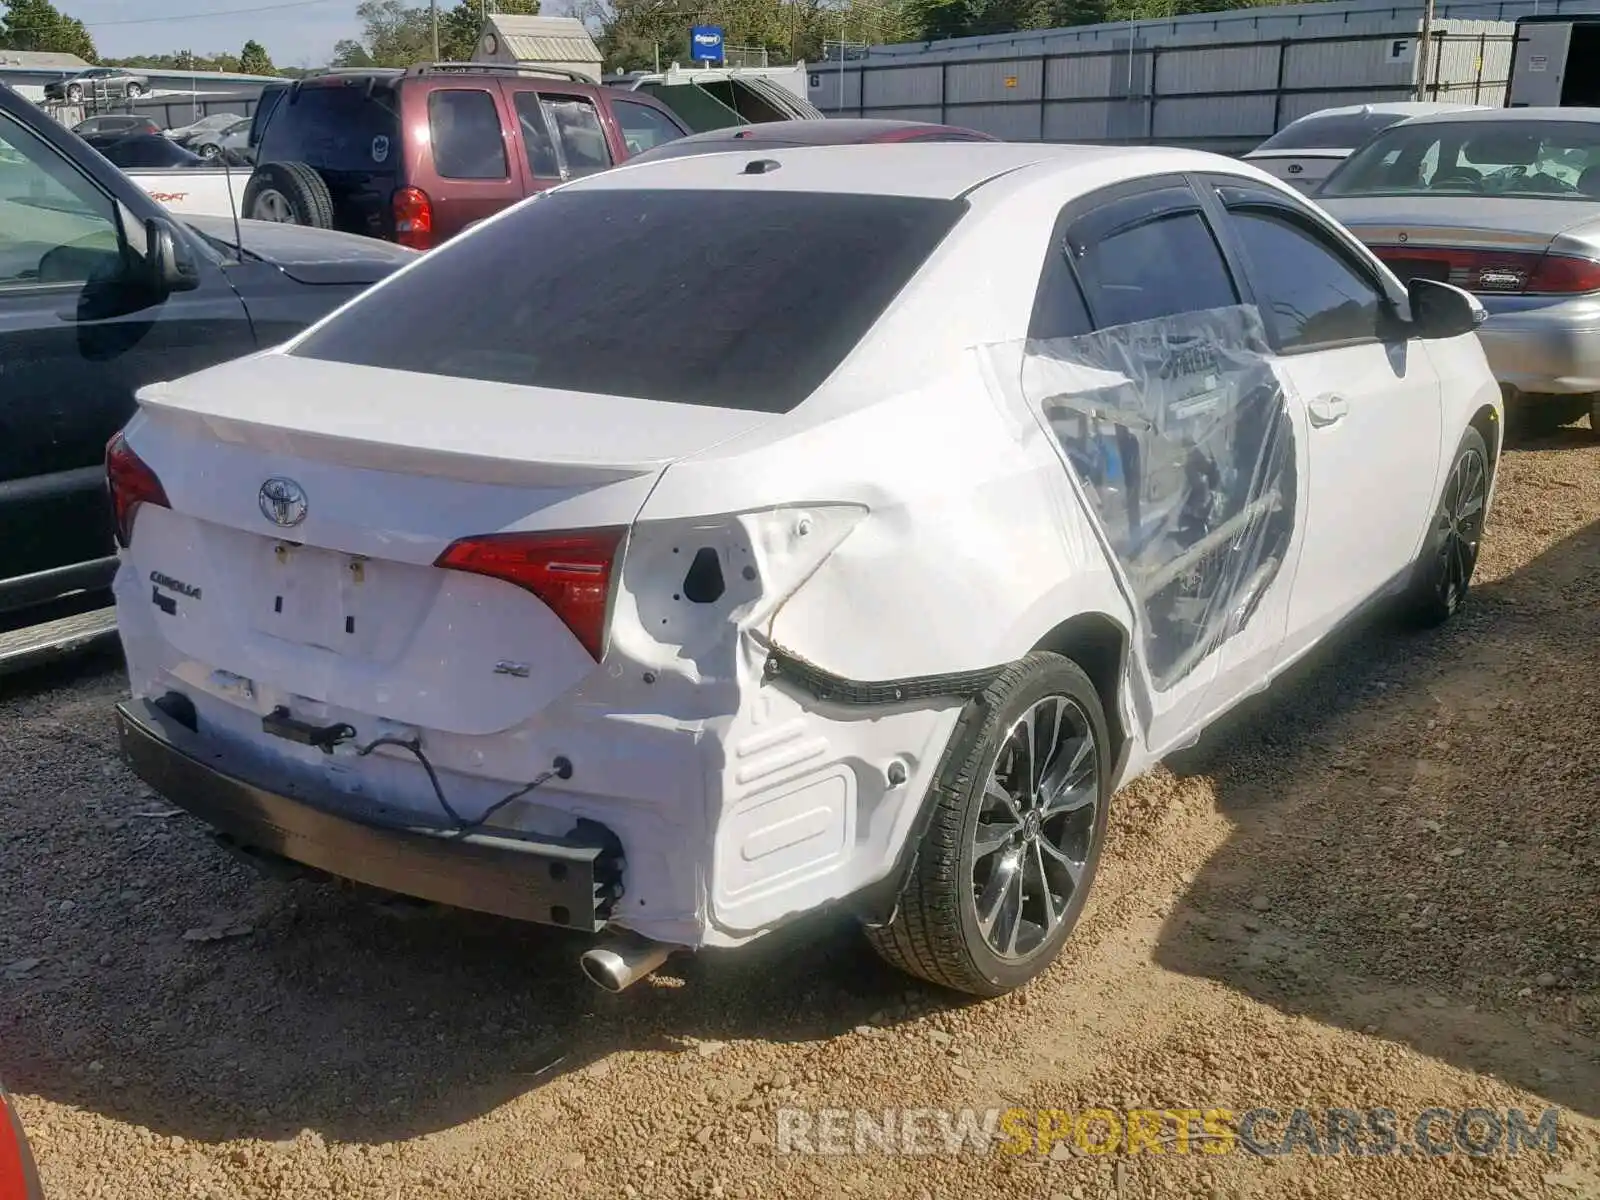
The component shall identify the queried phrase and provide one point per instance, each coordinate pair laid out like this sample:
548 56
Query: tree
37 25
254 59
392 36
459 28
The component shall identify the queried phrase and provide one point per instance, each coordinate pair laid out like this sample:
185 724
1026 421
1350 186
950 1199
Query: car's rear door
473 172
1371 395
1133 299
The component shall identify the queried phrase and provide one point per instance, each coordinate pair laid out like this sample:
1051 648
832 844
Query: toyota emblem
283 502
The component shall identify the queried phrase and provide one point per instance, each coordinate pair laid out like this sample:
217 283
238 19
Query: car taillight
19 1178
413 218
571 572
131 483
1496 272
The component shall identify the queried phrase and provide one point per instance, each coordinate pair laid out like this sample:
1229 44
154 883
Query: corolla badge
283 501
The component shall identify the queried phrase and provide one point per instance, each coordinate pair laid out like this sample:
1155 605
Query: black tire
292 189
135 90
1442 575
1594 417
935 933
209 151
74 94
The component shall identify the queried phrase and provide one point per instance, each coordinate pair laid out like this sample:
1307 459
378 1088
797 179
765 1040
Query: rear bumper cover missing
570 882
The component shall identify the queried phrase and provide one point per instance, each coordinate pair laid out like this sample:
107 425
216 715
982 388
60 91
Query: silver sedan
1506 204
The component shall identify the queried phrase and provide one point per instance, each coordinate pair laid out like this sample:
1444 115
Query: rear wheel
1540 416
74 93
288 193
1019 819
1450 550
135 90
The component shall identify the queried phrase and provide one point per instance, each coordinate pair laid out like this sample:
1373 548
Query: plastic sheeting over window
1179 437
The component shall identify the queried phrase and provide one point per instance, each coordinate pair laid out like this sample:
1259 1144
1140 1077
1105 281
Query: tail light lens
1496 272
19 1178
131 483
570 572
413 218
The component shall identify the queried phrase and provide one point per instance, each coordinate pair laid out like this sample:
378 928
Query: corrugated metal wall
1224 81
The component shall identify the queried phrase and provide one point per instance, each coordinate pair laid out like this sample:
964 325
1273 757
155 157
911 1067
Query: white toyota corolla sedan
712 540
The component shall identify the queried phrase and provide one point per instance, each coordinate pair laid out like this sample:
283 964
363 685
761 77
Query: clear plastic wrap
1180 438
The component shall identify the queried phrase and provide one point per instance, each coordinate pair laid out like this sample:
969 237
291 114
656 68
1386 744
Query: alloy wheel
272 205
1034 833
1460 527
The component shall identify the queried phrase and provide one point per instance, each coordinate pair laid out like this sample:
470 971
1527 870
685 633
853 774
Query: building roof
544 39
33 59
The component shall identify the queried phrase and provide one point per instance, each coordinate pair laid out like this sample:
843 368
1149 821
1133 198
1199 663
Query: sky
296 33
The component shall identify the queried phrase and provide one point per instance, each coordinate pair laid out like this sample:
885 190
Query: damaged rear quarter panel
966 549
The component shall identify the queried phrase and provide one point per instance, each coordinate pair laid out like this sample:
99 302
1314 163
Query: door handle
1327 410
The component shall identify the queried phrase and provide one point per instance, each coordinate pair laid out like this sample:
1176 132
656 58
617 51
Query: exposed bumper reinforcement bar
571 882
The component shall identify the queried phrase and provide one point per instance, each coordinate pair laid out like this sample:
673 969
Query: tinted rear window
336 127
1343 132
734 299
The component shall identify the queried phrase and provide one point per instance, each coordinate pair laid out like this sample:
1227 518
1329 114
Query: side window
577 126
1310 294
55 226
643 128
1058 307
1151 266
465 128
536 140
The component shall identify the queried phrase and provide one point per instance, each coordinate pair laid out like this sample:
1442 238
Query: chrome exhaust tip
622 960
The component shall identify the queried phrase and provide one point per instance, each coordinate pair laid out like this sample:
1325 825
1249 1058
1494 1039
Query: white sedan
712 540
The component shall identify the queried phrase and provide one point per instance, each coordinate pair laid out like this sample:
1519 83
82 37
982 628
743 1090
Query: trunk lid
323 587
1465 221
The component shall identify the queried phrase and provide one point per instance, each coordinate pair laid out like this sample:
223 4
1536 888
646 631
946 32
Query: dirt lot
1376 887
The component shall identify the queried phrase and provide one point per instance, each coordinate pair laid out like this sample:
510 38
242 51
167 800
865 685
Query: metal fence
1225 95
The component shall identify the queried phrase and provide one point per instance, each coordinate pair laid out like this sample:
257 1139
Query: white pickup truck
194 191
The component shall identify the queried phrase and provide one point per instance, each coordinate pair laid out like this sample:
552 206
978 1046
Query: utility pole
1424 50
433 7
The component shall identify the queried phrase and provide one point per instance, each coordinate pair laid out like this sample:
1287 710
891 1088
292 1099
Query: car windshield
1332 131
1534 159
732 298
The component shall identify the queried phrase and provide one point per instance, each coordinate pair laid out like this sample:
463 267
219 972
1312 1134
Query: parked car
115 123
615 566
98 82
229 144
1304 152
143 150
838 131
208 124
101 292
416 155
1504 203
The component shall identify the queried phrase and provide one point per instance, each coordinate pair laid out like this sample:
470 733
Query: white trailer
1556 63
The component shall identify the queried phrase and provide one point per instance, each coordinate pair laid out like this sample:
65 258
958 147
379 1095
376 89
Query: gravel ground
1376 886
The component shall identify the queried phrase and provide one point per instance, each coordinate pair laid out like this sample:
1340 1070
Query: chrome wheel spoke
992 836
1072 799
994 794
1047 897
1000 905
1070 865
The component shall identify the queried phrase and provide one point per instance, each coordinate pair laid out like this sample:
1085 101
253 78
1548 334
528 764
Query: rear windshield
733 299
1546 160
1344 131
335 127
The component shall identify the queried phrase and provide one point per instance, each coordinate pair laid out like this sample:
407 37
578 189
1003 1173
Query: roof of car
934 170
1587 116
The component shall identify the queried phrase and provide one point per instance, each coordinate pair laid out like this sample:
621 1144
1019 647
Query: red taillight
570 572
413 218
1495 272
131 483
19 1178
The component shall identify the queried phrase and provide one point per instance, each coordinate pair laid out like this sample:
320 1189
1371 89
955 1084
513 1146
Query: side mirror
1440 310
168 266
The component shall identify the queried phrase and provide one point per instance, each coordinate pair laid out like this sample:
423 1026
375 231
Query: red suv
416 155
